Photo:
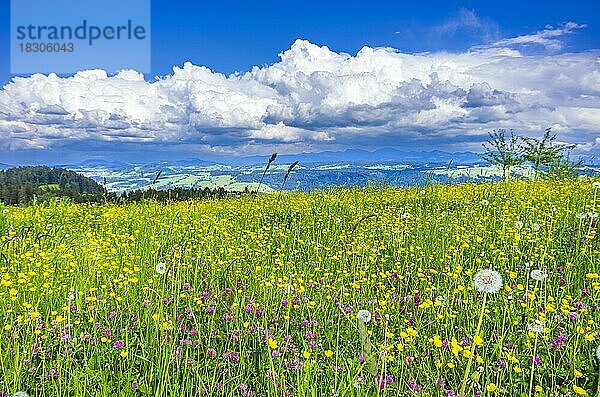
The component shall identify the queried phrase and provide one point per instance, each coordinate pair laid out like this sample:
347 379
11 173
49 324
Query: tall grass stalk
472 350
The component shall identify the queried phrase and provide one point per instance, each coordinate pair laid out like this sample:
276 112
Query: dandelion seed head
487 281
364 316
519 224
537 327
538 275
598 352
596 185
161 268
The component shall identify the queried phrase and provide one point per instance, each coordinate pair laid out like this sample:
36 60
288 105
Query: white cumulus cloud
315 97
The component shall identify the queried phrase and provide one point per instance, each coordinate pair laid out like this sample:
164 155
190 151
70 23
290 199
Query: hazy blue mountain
364 156
96 163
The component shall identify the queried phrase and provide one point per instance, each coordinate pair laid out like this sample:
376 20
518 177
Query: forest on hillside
23 185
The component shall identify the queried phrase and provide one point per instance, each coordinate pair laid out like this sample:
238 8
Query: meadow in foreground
344 292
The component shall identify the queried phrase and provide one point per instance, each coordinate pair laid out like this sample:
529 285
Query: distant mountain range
358 156
352 167
354 156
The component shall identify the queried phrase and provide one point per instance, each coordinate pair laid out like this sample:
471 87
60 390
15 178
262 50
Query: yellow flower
437 341
456 348
491 387
477 340
328 353
579 391
272 343
306 354
7 327
124 353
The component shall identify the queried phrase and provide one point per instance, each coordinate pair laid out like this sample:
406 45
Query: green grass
274 283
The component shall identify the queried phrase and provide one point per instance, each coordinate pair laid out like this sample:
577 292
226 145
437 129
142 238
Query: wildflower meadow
489 289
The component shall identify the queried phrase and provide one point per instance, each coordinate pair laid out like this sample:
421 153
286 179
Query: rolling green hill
21 185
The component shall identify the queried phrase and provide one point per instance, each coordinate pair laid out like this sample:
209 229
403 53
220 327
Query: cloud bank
319 98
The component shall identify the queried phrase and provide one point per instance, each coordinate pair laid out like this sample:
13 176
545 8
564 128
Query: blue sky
233 36
452 110
229 36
